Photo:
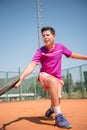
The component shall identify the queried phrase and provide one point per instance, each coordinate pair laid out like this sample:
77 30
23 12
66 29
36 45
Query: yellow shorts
42 76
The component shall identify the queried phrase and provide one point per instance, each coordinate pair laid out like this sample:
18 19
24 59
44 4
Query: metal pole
82 87
6 81
38 21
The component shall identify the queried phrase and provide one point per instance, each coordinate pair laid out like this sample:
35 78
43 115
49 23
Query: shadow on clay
37 119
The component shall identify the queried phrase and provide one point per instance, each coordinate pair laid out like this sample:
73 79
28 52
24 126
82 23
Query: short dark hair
48 28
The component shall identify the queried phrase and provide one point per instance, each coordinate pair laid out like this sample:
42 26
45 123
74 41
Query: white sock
57 110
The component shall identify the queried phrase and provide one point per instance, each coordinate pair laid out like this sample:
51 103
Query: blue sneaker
49 112
62 122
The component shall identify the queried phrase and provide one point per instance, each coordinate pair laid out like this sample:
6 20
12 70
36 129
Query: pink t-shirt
51 60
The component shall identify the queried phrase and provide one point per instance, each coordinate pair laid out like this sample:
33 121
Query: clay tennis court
25 115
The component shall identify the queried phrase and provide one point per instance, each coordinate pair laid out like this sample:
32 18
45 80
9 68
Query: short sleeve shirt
51 60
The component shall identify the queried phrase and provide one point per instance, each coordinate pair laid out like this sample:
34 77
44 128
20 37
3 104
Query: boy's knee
51 80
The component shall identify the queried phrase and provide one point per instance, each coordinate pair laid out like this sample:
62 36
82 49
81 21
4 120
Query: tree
68 81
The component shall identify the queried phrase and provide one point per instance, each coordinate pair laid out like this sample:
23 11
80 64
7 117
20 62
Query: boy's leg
50 111
51 84
60 83
55 101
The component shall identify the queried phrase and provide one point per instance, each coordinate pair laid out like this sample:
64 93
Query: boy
50 56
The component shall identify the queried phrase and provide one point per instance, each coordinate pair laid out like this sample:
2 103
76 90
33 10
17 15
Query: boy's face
48 38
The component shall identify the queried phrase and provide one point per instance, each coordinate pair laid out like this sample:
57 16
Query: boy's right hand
18 84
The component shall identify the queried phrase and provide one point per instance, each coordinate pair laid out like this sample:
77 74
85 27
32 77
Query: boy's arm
78 56
28 70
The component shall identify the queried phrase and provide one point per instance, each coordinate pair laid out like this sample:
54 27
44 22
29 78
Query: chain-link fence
75 86
75 80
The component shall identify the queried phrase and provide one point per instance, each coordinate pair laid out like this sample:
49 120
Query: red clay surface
27 115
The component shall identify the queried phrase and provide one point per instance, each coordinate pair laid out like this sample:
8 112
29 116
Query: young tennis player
50 58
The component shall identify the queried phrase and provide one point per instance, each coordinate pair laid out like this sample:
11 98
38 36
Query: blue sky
19 33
